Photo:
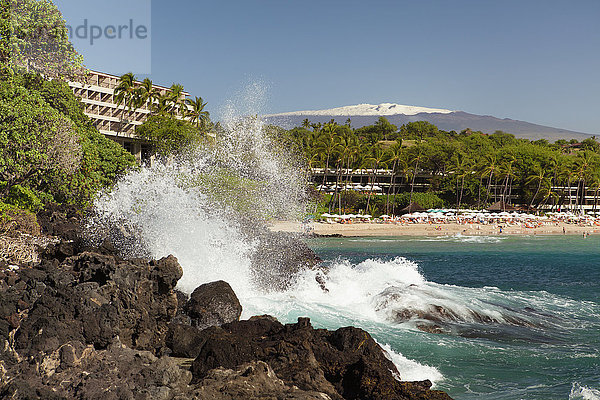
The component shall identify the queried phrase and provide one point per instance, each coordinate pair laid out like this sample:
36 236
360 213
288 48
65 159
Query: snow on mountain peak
368 109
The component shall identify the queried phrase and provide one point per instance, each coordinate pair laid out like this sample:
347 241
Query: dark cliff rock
93 298
346 363
84 323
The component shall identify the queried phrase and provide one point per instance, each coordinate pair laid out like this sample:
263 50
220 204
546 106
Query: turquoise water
518 317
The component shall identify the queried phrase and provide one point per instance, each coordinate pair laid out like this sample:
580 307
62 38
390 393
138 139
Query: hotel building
116 122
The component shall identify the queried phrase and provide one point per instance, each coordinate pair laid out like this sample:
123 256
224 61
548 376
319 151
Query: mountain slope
367 114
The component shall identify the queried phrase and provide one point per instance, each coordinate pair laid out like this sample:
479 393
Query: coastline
420 229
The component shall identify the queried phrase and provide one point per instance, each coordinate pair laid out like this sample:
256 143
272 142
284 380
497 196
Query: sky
536 61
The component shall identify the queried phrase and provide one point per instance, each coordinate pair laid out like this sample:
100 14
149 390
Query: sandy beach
392 229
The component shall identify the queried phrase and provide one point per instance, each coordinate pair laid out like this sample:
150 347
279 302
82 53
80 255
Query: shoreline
420 229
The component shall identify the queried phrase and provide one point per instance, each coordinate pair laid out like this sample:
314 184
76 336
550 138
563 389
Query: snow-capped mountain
369 109
448 120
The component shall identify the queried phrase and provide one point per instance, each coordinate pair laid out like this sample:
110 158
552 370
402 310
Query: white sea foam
579 391
194 206
411 370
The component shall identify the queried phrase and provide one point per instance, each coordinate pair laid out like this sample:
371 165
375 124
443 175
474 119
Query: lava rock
279 257
346 363
60 220
184 340
75 371
252 380
213 304
167 272
93 298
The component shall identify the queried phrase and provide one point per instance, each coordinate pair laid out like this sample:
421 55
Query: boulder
213 304
279 257
184 340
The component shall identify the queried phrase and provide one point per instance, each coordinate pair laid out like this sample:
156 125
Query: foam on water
411 370
579 391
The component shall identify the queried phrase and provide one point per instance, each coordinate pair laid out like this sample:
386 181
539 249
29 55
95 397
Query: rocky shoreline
84 323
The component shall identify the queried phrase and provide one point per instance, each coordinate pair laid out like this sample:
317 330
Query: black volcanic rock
346 363
213 304
84 323
93 298
60 220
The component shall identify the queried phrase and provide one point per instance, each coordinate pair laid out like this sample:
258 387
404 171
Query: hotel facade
117 122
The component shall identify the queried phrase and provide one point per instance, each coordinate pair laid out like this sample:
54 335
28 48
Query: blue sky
537 61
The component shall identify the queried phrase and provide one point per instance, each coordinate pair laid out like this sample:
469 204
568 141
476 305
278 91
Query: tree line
463 168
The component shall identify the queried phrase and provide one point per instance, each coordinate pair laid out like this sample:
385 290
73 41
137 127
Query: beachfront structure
382 182
117 122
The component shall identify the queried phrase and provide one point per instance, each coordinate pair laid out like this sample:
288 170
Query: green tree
418 130
49 146
177 98
34 38
125 92
168 134
196 113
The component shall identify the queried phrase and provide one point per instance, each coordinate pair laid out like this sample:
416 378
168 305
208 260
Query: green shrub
49 146
24 198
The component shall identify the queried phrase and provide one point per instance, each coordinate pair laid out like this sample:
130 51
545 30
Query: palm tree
196 113
345 150
394 155
490 170
461 168
162 106
177 99
325 146
150 94
375 160
539 176
416 159
126 93
506 170
567 173
124 90
583 162
595 184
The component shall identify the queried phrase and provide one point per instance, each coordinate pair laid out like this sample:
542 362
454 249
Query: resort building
116 122
383 181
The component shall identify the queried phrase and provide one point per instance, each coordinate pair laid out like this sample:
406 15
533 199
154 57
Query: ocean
506 317
514 317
